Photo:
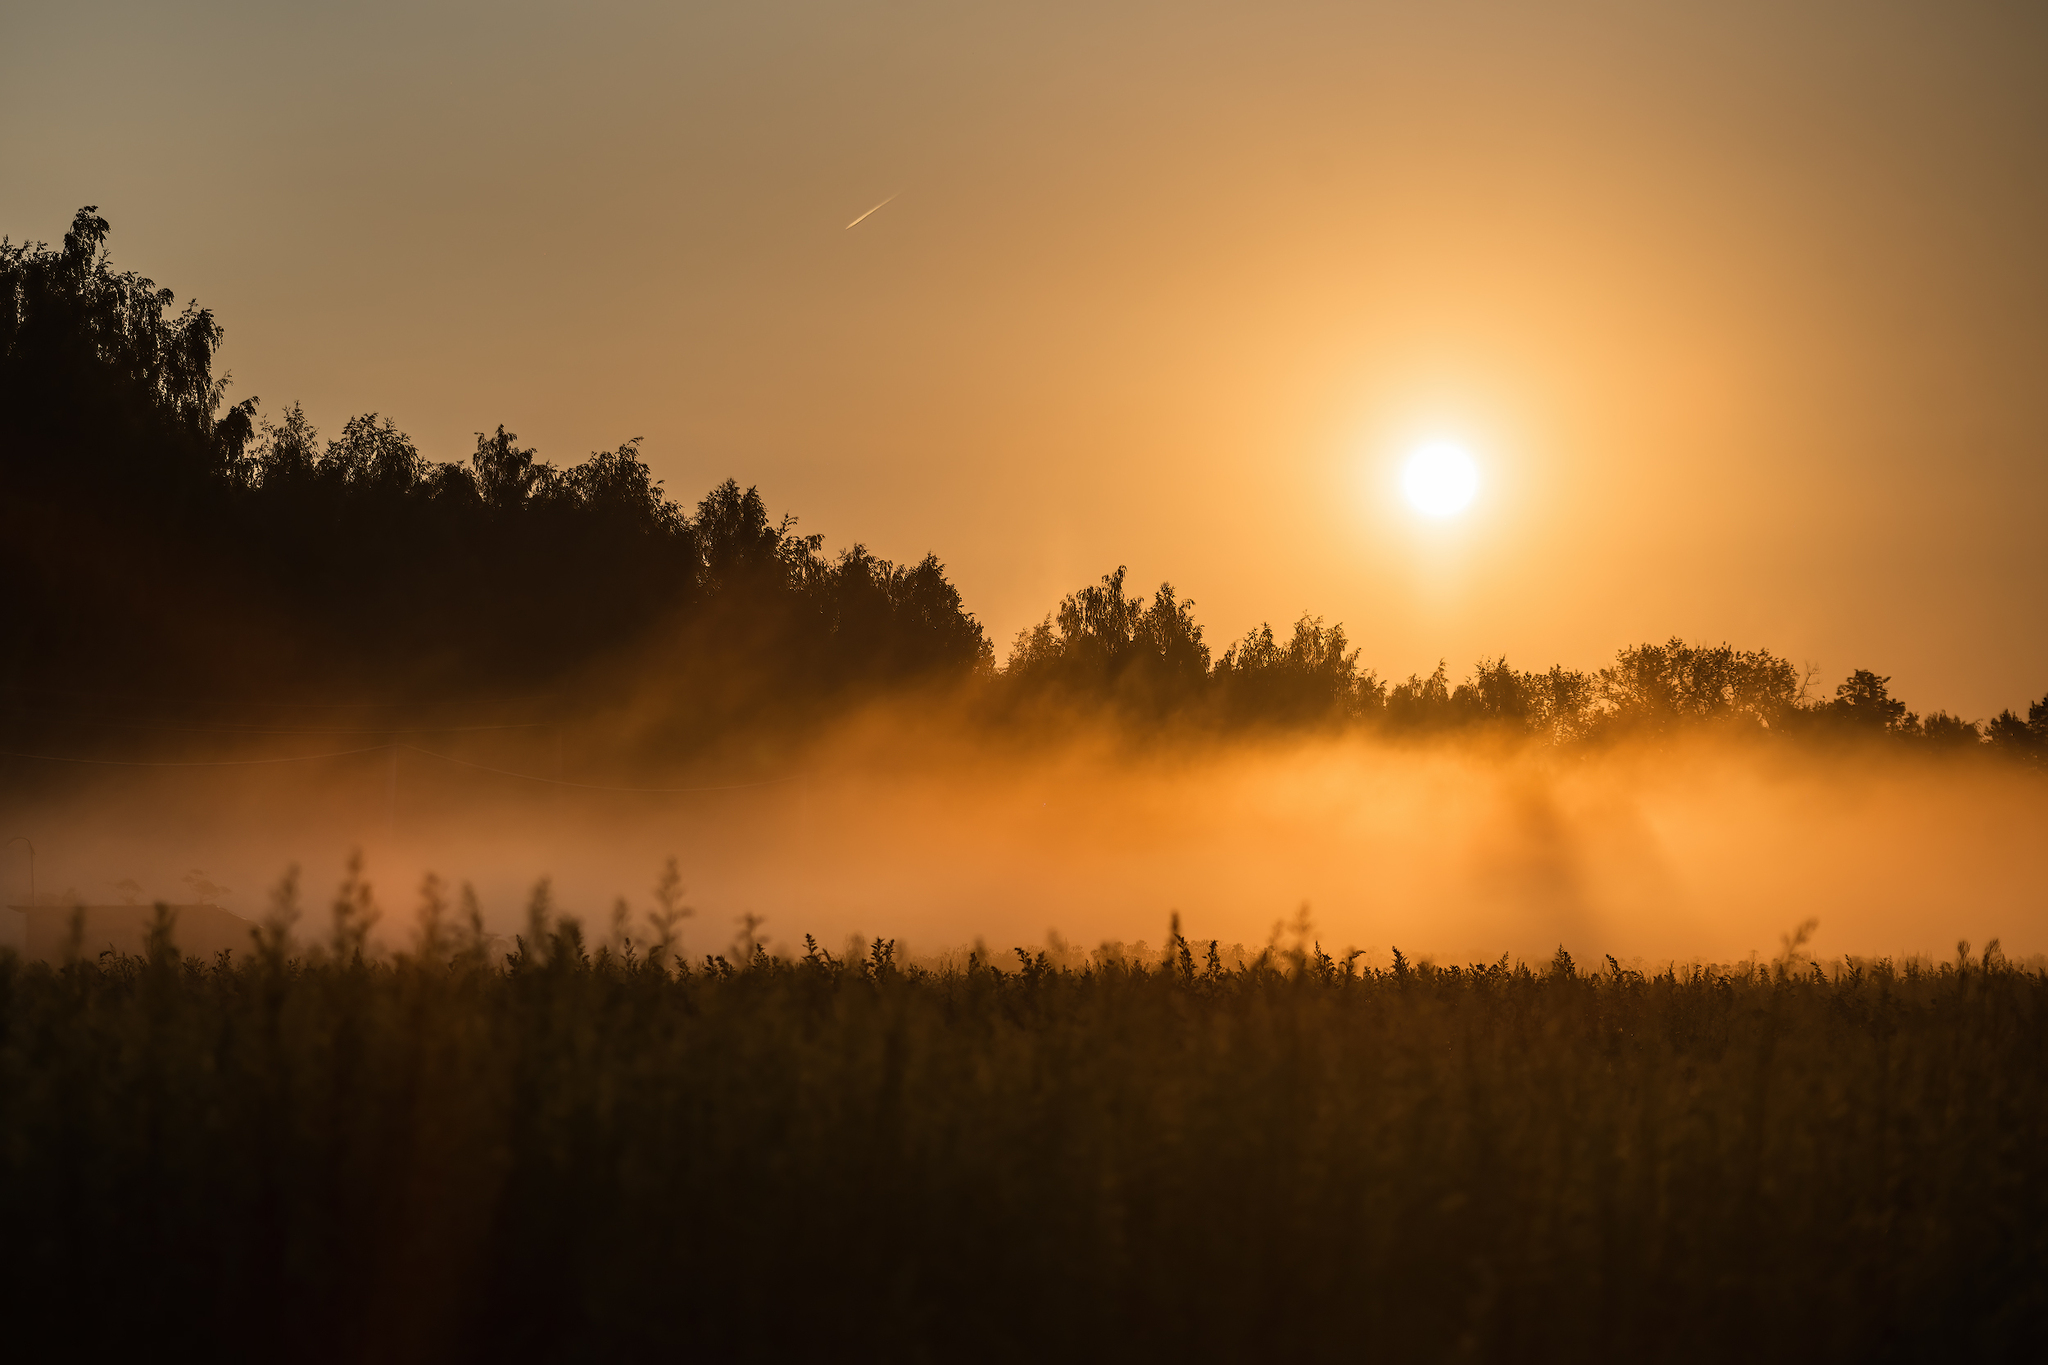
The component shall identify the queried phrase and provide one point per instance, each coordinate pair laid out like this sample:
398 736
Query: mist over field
504 671
1702 849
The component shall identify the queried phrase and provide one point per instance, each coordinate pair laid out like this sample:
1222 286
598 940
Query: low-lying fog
1700 851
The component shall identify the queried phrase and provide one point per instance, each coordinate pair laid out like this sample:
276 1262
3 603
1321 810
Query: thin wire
210 763
288 705
296 730
594 787
386 748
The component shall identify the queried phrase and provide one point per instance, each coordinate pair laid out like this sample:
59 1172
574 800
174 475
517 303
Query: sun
1440 479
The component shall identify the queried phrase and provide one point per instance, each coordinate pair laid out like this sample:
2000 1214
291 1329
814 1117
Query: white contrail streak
864 217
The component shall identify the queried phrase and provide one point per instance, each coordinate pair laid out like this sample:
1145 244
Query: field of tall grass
599 1152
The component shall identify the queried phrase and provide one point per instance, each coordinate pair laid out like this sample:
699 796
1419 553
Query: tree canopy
158 539
149 524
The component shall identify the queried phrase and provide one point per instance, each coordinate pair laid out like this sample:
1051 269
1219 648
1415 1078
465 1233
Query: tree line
1150 659
157 539
152 528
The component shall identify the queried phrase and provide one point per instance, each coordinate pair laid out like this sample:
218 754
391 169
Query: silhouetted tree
1659 687
110 426
287 451
143 524
100 380
1103 643
1313 679
1560 702
2026 740
504 475
891 623
1863 702
1422 703
1944 731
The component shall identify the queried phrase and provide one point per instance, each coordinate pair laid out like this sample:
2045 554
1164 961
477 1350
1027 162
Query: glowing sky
1741 308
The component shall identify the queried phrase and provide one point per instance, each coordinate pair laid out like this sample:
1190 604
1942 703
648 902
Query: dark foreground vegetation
571 1153
169 556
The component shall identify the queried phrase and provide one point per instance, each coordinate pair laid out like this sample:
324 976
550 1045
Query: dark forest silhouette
160 542
152 533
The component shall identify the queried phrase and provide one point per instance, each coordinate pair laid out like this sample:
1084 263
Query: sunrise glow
1440 480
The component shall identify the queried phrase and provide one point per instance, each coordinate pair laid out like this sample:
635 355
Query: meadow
582 1150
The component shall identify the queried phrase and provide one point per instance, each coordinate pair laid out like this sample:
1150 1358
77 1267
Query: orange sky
1742 307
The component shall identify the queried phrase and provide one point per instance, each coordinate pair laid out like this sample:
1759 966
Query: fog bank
1697 850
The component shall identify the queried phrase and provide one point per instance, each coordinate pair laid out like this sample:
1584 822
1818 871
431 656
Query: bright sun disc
1440 479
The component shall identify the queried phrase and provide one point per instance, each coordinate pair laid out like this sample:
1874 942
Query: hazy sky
1742 307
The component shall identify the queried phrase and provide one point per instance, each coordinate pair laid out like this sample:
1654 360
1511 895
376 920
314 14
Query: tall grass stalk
572 1152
